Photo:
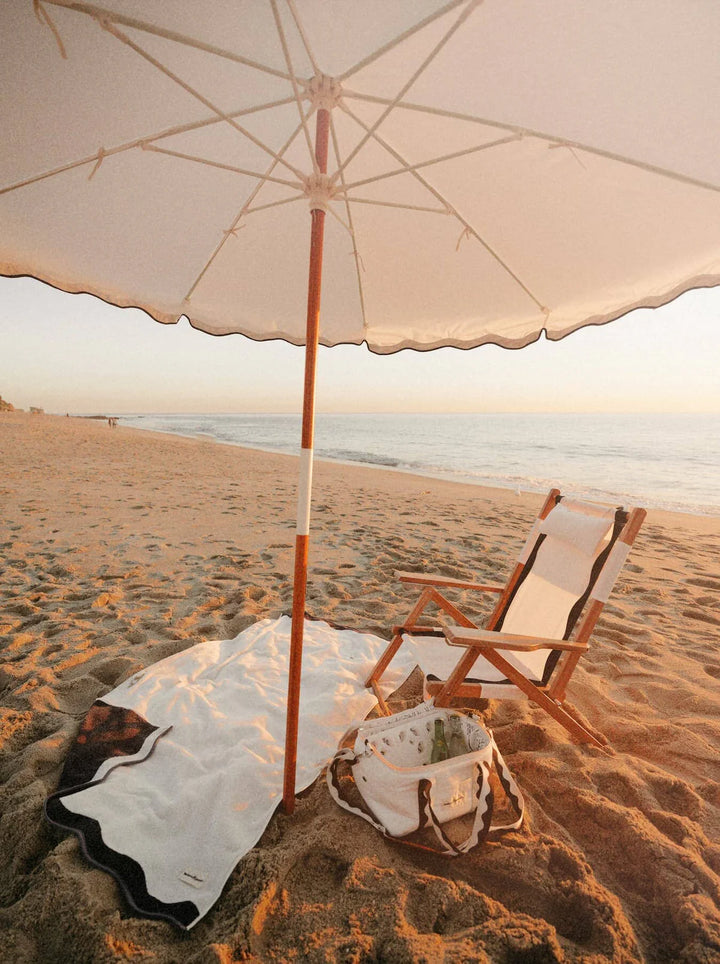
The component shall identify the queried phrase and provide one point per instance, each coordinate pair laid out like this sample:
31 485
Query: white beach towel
177 772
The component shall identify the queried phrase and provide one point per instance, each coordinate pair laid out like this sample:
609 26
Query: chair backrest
562 562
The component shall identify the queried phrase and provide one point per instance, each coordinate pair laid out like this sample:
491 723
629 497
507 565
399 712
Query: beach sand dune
121 547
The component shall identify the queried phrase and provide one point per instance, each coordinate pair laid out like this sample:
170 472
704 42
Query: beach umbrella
476 172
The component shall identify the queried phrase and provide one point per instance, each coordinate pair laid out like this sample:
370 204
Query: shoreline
701 522
537 491
124 547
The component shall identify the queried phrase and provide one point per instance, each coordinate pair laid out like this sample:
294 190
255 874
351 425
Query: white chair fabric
561 566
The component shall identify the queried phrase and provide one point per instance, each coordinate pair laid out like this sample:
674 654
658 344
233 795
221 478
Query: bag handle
483 813
482 825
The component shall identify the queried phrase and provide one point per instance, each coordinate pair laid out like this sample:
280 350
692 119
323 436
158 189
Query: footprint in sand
335 591
704 583
51 650
676 829
702 615
675 795
255 593
113 671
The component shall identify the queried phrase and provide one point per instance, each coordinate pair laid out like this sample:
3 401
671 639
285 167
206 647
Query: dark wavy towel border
127 872
95 745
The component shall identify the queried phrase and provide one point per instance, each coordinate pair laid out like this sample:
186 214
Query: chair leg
426 596
457 677
383 663
554 709
564 719
577 729
384 708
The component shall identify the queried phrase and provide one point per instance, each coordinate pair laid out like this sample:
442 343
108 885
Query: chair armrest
418 630
487 639
429 579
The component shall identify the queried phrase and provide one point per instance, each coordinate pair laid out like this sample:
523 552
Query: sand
121 547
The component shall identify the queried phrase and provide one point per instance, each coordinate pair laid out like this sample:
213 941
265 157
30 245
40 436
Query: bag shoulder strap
512 790
333 783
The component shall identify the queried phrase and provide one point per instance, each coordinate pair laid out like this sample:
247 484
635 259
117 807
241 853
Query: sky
73 353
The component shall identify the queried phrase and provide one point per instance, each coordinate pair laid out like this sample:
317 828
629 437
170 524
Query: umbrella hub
319 190
324 92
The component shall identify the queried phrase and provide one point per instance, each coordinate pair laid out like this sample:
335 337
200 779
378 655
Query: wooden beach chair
560 584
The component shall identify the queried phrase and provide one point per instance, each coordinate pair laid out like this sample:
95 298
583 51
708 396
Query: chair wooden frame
490 643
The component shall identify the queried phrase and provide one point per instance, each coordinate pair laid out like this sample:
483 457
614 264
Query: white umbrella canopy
495 168
483 172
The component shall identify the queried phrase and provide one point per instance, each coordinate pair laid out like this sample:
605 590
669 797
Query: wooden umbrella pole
302 536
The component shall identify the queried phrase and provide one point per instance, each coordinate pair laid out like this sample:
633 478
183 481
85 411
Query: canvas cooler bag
404 792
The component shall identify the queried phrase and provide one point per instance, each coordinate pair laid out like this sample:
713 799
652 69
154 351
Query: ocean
658 461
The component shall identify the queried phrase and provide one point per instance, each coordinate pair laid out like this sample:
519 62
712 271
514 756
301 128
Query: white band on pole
304 492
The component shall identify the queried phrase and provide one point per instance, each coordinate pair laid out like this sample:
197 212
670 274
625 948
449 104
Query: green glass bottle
439 748
457 744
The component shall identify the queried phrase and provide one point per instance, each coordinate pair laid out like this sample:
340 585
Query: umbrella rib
339 220
303 36
293 80
540 135
102 13
436 160
398 204
220 165
243 210
274 204
123 38
409 83
456 214
44 17
141 142
376 54
348 93
356 253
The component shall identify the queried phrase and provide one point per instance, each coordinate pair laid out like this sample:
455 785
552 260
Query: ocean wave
365 458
